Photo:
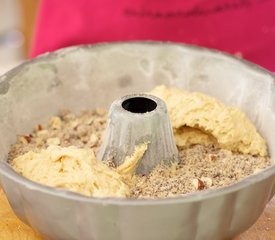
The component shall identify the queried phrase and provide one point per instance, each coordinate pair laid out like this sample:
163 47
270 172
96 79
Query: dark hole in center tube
139 105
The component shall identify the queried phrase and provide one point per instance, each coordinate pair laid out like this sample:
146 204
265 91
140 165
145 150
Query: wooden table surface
11 228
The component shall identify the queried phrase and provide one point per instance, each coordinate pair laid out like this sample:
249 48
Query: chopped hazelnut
55 122
198 184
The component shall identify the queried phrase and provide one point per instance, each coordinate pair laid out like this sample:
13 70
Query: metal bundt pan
93 76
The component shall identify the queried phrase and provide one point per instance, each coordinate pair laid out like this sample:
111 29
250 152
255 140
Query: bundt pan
94 76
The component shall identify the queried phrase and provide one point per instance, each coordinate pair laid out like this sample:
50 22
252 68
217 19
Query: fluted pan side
93 76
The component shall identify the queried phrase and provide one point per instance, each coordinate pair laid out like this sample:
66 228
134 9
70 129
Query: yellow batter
78 170
198 118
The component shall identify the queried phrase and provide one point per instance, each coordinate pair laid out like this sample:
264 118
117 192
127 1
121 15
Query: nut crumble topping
200 167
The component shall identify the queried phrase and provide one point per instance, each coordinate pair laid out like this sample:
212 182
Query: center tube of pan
138 119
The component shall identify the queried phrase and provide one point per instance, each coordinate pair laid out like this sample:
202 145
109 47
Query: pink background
243 27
